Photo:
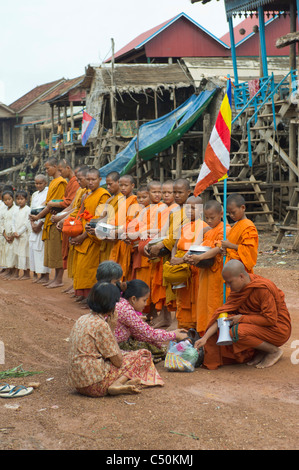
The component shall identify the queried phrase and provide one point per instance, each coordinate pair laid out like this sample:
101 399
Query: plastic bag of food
181 357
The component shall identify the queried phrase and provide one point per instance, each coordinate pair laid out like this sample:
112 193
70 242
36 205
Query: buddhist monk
192 233
67 172
242 241
147 223
87 248
172 231
258 317
72 211
51 236
108 212
210 281
127 210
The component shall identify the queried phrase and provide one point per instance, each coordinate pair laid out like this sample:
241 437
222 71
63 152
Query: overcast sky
44 40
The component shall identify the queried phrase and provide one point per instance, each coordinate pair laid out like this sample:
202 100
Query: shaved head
213 204
194 200
234 267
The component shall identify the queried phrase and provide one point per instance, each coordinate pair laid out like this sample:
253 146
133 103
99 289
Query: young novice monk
22 229
127 210
192 233
210 281
242 241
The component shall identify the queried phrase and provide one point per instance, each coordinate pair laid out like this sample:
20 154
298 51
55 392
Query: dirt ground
234 408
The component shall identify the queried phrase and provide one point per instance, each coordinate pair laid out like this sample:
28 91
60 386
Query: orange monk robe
210 281
265 318
121 251
186 297
76 207
70 192
177 218
244 234
148 220
56 190
158 290
87 255
111 217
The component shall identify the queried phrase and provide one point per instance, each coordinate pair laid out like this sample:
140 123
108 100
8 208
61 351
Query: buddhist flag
88 123
216 161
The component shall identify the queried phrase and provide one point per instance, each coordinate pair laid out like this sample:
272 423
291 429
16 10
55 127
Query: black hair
103 297
136 288
108 270
7 191
23 193
114 175
237 199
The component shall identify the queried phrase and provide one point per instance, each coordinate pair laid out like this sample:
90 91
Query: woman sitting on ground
131 330
97 367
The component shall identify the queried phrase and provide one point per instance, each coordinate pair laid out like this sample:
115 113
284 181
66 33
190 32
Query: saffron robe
244 234
56 190
186 297
70 192
121 251
76 207
210 281
158 290
87 255
111 208
265 318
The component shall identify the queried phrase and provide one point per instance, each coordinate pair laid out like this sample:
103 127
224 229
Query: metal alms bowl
198 250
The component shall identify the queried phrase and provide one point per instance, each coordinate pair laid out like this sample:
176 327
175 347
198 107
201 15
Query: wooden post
292 127
112 103
138 175
179 159
206 133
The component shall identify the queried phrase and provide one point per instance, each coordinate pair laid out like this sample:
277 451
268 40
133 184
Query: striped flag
216 161
88 123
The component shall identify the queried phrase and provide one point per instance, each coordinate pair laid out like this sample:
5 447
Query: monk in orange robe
192 233
87 248
171 229
127 209
242 241
210 281
145 226
258 317
51 236
66 171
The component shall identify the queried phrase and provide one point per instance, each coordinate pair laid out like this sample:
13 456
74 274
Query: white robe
3 209
22 227
36 245
9 259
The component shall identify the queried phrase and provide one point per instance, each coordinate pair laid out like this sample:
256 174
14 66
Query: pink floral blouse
129 324
91 344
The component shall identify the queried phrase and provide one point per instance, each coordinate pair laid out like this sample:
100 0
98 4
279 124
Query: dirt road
235 407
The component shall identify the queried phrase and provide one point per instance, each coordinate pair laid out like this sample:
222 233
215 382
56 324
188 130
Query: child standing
8 230
22 229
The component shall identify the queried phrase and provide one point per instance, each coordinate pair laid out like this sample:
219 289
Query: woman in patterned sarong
97 366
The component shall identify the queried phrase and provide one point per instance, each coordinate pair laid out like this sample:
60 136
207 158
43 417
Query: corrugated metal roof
62 89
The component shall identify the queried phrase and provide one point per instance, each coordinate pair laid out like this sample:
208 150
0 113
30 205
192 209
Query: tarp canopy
158 135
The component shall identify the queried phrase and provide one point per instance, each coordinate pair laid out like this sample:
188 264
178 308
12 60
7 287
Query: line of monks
168 213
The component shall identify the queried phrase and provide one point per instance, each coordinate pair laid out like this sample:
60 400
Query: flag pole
224 212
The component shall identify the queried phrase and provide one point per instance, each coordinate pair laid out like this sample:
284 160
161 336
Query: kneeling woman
97 367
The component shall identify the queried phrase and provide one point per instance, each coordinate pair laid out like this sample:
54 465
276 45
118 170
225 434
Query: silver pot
198 250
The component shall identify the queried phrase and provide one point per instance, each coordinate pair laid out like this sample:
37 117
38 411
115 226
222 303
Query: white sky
44 40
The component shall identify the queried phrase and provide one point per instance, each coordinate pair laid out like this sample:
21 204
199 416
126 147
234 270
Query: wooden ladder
286 226
253 194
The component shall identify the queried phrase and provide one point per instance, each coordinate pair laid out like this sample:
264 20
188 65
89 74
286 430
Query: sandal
17 391
6 388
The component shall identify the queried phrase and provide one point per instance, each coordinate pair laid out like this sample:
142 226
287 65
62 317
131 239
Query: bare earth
236 407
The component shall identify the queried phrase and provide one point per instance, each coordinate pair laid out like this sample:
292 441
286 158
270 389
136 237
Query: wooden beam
288 39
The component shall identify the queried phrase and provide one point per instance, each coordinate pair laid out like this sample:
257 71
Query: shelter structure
265 125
